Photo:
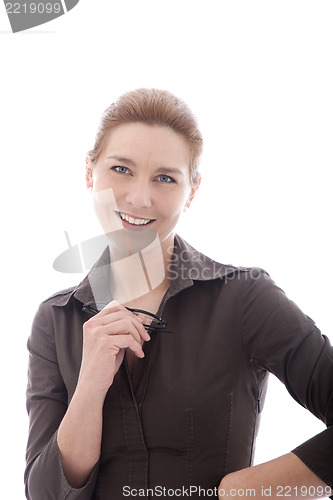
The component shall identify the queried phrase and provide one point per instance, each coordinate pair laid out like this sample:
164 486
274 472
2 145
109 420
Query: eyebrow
160 170
122 159
169 170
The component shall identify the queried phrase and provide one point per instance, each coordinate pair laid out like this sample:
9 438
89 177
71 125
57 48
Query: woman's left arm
286 476
281 339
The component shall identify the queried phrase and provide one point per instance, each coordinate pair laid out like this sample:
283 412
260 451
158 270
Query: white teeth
131 220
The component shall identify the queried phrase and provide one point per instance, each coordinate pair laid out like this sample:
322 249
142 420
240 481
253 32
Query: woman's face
143 175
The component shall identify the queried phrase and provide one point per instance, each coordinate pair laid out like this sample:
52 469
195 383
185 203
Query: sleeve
46 406
280 338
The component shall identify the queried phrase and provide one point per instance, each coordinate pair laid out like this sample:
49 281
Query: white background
258 75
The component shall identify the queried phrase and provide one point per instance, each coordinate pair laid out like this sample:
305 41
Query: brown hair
152 107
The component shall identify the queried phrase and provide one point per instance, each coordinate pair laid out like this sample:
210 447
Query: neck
138 270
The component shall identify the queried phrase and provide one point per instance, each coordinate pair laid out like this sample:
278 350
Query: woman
123 408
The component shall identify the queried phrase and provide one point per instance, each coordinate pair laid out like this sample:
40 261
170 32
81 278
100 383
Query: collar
186 266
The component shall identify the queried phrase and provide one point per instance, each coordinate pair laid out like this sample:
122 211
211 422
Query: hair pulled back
152 107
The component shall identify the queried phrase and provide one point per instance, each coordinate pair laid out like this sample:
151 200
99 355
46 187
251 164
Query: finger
120 315
110 307
124 342
113 315
115 306
120 327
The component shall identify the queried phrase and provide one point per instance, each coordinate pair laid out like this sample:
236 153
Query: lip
134 227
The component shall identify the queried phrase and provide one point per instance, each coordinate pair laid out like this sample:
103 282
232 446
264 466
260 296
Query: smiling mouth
134 221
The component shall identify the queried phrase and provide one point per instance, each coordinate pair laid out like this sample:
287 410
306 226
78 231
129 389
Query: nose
139 194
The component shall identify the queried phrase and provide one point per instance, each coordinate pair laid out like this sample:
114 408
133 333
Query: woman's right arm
64 441
105 337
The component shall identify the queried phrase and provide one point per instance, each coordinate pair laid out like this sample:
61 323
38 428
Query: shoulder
56 319
48 308
60 296
199 267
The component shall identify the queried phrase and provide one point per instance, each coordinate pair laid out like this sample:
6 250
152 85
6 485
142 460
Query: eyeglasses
157 324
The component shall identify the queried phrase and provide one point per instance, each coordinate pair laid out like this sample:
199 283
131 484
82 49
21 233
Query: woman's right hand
105 338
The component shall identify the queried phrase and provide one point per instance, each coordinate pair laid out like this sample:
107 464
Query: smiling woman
135 163
152 107
151 374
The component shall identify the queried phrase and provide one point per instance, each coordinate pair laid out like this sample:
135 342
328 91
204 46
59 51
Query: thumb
112 304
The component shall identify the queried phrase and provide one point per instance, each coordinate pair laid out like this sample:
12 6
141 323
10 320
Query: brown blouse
190 413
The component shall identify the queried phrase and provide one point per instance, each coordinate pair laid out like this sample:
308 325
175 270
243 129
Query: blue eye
165 179
120 169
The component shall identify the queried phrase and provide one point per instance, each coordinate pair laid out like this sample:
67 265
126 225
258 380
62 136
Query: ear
89 173
194 189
